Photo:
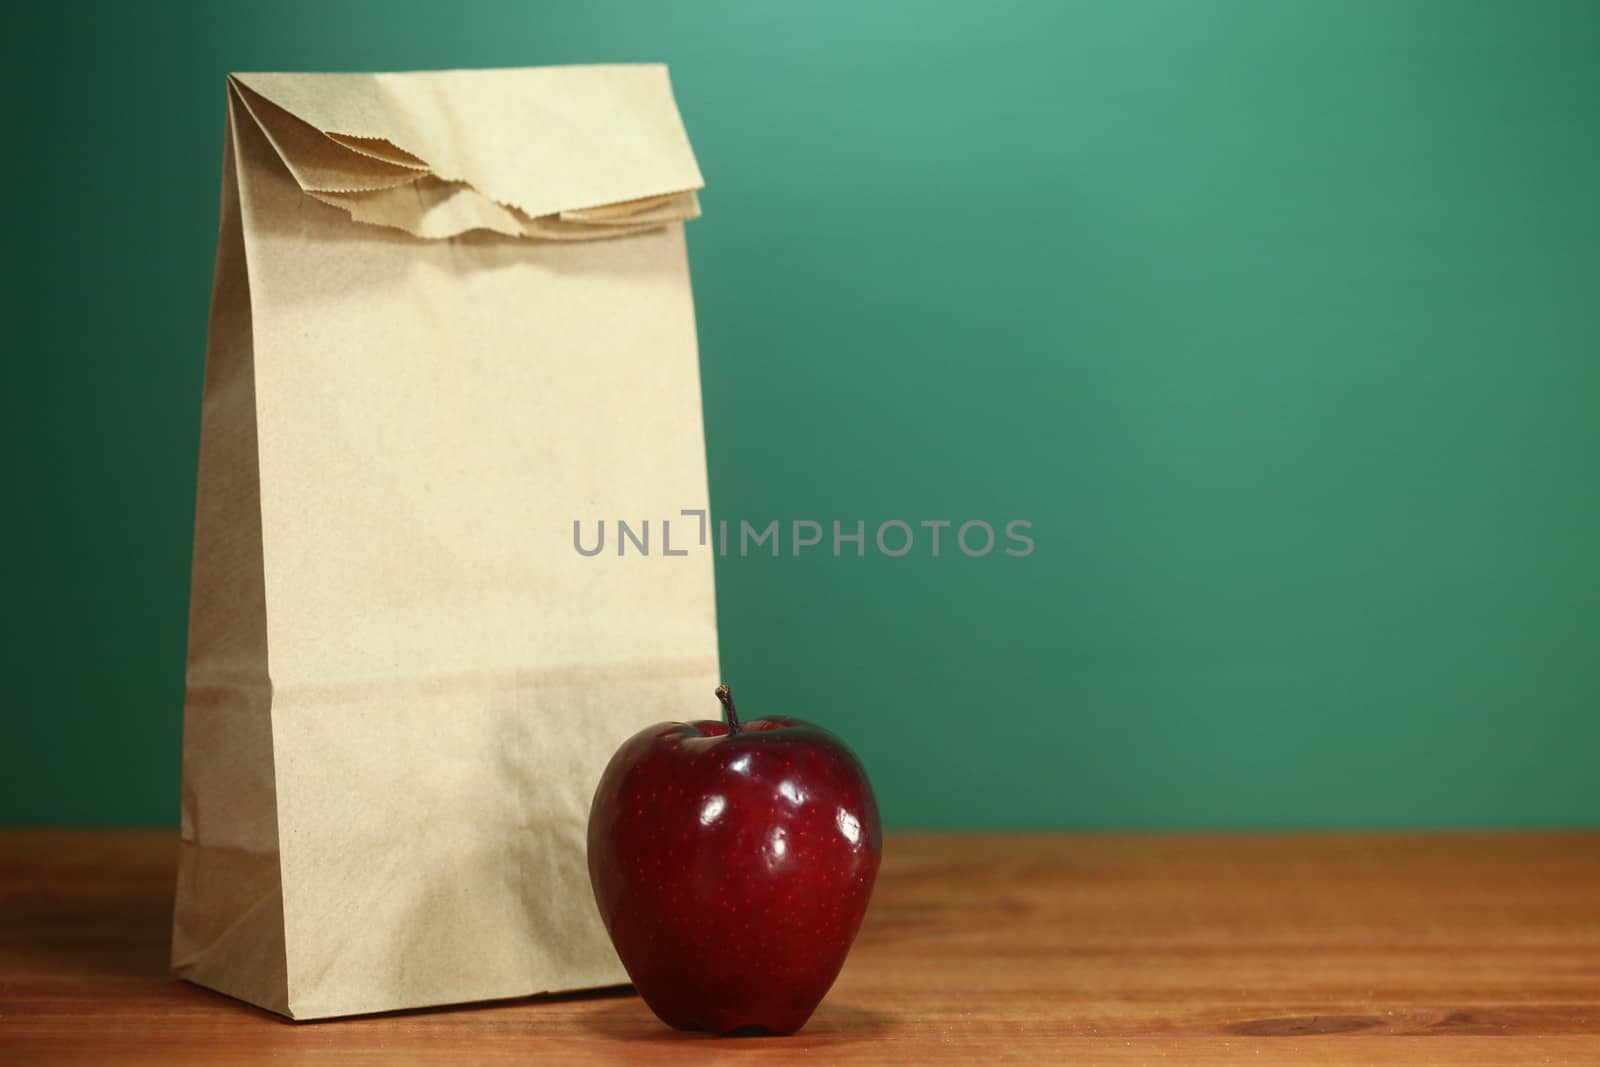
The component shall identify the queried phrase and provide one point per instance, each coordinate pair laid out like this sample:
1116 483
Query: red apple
732 863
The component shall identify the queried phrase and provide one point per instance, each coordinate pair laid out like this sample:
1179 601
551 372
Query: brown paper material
451 315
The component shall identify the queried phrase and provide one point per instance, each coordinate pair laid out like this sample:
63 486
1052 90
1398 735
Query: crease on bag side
228 914
337 690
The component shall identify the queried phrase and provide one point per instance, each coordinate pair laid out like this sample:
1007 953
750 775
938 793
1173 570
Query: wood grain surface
1375 949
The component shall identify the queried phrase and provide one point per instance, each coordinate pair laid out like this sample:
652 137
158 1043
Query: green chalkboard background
1280 321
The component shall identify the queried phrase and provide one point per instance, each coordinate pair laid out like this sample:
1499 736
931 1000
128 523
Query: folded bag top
555 153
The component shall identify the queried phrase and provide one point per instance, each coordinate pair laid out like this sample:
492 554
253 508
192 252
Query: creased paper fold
556 153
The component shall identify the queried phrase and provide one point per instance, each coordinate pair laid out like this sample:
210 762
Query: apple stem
730 716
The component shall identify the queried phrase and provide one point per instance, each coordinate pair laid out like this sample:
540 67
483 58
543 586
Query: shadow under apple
629 1019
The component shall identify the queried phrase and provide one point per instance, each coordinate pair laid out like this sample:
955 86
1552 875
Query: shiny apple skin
733 872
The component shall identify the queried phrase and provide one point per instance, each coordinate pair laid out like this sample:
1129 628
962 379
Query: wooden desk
1480 949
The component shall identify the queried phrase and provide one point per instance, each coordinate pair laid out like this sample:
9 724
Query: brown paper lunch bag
451 316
